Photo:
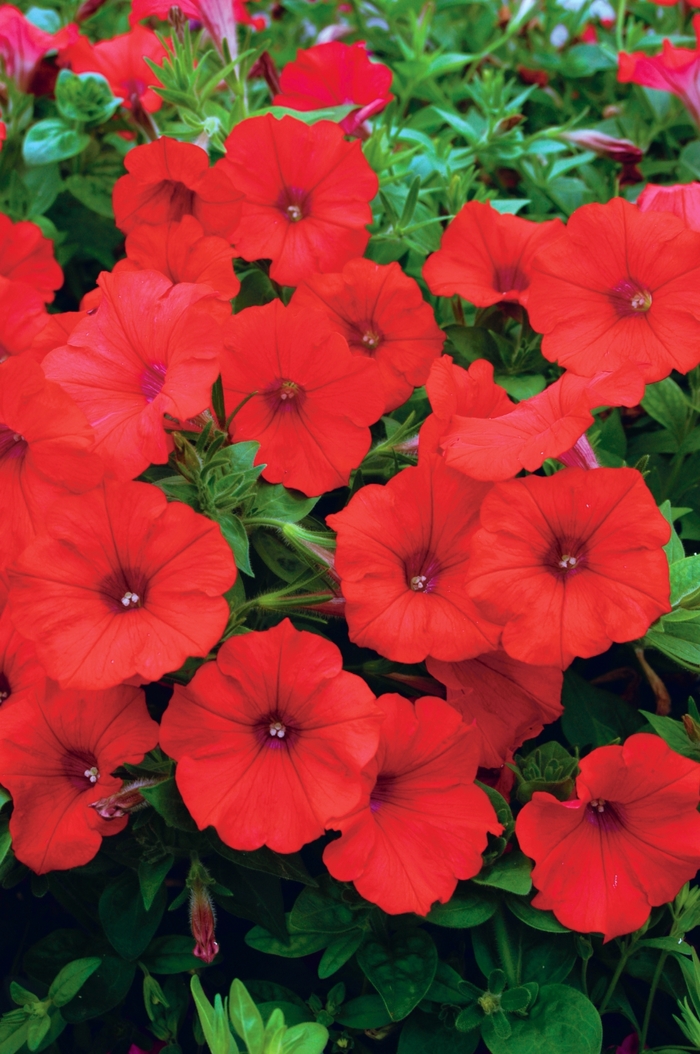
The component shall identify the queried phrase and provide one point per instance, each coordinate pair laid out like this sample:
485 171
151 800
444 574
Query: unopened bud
581 455
203 923
623 151
129 799
265 67
692 728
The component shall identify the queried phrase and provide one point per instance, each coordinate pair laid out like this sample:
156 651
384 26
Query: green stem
650 1001
504 949
620 25
584 976
615 978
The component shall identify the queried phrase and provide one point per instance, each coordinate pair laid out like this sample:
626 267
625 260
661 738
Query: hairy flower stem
619 969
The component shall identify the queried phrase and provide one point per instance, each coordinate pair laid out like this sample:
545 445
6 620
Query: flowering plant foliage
349 526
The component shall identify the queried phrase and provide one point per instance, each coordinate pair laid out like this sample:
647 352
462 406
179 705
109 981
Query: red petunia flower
682 200
21 674
510 701
675 70
27 256
23 45
57 756
425 824
167 180
314 402
335 74
633 831
270 739
403 553
121 585
54 333
121 61
570 563
183 253
3 133
149 349
619 286
381 313
486 257
22 317
45 452
219 17
306 194
544 426
453 390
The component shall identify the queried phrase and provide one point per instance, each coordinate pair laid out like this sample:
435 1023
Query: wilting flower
167 180
23 45
633 831
312 401
674 70
306 194
623 151
544 426
682 200
57 755
382 314
486 257
121 585
121 61
46 454
271 739
335 74
21 674
510 701
403 552
22 317
183 253
453 390
619 286
570 563
27 256
150 348
202 920
425 824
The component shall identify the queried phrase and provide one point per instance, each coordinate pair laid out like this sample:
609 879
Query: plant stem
627 951
504 949
650 1001
620 24
584 976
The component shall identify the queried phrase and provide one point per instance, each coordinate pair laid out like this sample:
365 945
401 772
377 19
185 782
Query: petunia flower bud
203 922
692 728
581 455
623 151
129 799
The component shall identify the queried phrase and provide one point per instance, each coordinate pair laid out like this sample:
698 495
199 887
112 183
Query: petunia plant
349 517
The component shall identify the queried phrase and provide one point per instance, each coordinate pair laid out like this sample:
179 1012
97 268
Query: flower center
12 444
153 379
293 203
275 732
382 792
630 298
366 335
181 198
278 729
81 769
124 590
604 814
422 572
285 396
5 689
510 278
566 558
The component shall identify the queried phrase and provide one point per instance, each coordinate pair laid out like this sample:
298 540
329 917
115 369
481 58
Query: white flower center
92 774
294 212
598 804
566 562
418 583
277 729
130 600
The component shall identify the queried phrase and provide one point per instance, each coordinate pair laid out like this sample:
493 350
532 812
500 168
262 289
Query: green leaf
245 1016
37 1030
103 991
284 865
85 97
275 502
673 733
167 801
465 909
213 1020
674 547
306 1038
423 1033
71 979
233 530
129 927
251 895
328 908
367 1011
329 113
401 968
510 872
562 1021
299 944
152 874
685 583
592 716
94 193
666 403
339 951
522 387
171 954
449 988
52 140
538 919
